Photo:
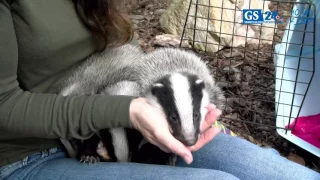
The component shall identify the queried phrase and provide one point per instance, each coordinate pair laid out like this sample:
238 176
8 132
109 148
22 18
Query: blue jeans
224 158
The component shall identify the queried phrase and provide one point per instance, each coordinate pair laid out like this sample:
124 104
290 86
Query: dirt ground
250 109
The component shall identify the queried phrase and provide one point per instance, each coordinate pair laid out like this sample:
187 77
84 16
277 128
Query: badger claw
89 159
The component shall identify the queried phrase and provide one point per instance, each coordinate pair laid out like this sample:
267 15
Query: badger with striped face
183 98
180 84
173 80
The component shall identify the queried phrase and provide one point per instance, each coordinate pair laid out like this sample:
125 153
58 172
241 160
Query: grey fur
129 63
130 88
127 70
103 70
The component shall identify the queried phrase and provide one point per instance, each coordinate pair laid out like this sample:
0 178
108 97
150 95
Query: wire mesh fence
237 39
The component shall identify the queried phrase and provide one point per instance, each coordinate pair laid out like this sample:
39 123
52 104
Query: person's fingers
205 138
210 118
163 148
211 106
175 146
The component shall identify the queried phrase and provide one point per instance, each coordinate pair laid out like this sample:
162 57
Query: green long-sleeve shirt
41 41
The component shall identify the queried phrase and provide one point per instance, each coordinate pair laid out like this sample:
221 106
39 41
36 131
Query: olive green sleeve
49 115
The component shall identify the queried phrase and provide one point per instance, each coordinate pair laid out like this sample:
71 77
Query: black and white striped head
183 99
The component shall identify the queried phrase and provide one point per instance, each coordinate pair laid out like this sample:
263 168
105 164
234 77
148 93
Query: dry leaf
297 159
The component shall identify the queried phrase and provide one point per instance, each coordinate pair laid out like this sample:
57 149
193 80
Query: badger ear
159 85
200 83
156 88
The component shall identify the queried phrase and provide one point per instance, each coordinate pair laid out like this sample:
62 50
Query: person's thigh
247 161
57 166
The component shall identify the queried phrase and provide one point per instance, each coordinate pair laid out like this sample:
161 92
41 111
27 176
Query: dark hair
107 20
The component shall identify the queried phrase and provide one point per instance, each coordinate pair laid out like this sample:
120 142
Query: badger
173 80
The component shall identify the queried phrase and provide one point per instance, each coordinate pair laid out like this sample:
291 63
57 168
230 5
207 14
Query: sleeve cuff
111 111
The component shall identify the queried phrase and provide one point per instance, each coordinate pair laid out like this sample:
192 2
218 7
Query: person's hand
156 131
207 131
152 124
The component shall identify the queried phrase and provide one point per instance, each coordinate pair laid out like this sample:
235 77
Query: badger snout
189 142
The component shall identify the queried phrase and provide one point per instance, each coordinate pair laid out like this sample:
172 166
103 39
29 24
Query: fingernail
188 159
211 106
219 112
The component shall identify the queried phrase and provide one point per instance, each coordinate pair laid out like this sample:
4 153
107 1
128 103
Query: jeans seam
47 154
8 167
26 161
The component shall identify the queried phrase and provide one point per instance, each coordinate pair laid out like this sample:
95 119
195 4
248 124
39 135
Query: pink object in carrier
308 129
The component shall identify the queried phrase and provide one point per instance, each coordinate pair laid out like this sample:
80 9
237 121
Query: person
41 42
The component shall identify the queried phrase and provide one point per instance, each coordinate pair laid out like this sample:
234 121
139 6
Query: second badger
173 80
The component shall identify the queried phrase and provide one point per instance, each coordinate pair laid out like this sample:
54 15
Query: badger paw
87 159
103 152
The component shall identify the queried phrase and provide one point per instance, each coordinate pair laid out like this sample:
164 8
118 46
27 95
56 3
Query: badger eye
173 118
196 115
